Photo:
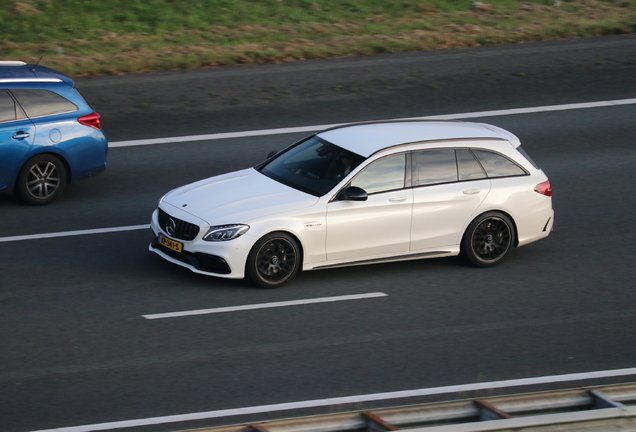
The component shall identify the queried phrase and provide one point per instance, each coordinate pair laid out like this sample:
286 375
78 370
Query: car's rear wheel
273 260
488 239
41 179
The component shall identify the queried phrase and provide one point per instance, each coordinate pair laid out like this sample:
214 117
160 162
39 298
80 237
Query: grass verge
83 37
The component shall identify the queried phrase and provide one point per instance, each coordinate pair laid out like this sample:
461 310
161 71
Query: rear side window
8 110
434 166
497 165
40 103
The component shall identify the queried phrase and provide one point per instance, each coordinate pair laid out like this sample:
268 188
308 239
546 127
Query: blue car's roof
28 72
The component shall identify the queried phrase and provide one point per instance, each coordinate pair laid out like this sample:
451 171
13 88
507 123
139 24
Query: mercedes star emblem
171 226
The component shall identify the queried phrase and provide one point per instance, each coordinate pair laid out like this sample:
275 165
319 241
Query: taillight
93 120
544 188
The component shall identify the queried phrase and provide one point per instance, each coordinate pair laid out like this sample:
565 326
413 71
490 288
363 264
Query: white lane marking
73 233
264 305
263 132
346 400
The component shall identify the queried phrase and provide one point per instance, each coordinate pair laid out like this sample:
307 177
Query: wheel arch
277 272
503 212
289 233
61 157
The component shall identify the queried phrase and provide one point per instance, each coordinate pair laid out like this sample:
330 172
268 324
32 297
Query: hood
237 197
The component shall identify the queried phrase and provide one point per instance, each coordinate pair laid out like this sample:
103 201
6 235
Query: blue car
49 135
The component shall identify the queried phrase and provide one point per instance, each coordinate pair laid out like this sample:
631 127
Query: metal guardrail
602 409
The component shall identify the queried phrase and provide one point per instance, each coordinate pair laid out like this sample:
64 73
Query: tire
41 180
273 260
488 239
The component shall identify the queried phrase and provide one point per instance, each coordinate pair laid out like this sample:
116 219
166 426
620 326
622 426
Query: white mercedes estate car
360 194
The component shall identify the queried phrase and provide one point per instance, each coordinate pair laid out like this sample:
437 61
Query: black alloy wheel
273 260
41 179
488 239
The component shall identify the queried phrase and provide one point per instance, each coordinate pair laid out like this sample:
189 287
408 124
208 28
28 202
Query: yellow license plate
170 244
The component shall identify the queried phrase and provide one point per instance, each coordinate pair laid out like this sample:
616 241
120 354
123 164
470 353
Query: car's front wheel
41 179
273 260
488 239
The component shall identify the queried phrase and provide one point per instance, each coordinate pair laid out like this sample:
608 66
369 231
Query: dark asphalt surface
75 349
363 88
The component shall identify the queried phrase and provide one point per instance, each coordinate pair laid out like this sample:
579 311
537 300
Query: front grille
181 230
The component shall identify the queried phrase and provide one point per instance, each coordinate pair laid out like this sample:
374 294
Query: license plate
170 244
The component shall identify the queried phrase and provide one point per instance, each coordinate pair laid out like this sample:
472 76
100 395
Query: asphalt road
76 349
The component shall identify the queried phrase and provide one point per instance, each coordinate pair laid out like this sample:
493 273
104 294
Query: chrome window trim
435 141
50 115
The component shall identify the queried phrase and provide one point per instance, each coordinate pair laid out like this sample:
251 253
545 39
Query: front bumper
197 262
222 259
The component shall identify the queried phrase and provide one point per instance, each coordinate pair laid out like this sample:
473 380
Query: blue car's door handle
20 135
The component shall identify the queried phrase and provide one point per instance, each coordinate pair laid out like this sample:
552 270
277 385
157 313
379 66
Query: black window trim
470 149
410 174
17 107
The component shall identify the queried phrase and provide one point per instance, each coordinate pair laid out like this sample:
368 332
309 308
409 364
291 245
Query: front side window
382 175
434 166
314 166
40 103
497 165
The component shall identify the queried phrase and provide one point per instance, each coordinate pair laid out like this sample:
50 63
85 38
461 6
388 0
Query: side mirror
353 193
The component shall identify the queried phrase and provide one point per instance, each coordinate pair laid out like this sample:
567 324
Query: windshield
314 166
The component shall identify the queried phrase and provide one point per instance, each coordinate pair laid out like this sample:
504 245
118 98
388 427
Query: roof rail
11 63
21 80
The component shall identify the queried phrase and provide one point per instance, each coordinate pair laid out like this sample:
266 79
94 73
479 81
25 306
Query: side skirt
386 259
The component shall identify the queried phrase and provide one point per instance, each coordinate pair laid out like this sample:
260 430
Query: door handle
20 135
471 191
398 198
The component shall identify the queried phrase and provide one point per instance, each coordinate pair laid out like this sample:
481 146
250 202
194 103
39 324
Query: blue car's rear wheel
41 179
273 260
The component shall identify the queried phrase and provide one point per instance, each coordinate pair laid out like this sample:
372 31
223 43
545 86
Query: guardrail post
256 428
488 411
377 423
601 400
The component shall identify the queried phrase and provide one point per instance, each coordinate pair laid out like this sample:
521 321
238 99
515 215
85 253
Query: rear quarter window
497 165
40 102
527 156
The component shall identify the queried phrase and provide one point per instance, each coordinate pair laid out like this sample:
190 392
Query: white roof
366 139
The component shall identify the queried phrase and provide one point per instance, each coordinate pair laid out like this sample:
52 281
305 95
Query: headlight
225 232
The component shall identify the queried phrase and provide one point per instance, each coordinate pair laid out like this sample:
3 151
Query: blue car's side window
40 103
